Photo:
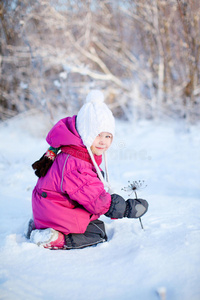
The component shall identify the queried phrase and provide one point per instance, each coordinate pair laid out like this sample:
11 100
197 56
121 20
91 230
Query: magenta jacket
71 194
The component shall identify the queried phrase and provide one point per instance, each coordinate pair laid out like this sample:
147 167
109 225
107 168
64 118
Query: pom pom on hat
95 97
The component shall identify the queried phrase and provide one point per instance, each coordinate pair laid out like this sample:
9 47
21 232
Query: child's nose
102 141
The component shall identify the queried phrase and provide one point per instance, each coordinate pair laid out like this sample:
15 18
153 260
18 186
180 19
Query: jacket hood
64 133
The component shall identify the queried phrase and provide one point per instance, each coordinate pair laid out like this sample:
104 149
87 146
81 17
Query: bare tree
143 54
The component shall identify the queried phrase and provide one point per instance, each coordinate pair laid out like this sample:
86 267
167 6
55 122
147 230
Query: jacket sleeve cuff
117 207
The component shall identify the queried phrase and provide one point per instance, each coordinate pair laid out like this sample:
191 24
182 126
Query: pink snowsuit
71 195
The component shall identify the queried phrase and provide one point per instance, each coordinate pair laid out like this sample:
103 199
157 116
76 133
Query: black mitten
132 208
135 208
42 165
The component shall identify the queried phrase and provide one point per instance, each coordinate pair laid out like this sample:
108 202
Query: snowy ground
134 263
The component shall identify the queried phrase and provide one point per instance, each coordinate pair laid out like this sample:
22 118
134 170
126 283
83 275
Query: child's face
101 143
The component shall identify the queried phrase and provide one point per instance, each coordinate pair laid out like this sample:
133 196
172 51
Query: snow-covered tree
143 54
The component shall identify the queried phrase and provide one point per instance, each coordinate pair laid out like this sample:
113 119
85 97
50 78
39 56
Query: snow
164 258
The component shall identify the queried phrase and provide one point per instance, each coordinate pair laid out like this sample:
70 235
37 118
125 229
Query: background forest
144 55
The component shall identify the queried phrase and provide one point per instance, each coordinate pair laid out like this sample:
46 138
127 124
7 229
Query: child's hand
135 208
132 208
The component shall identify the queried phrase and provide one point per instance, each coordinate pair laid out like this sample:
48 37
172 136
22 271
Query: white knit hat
93 118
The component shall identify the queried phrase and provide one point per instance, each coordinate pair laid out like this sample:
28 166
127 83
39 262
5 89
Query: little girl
71 192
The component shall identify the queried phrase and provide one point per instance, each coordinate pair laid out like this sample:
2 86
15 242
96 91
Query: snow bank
134 263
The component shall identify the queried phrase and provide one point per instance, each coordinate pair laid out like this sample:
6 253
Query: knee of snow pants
94 234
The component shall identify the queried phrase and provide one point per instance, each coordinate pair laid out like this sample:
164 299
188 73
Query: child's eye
108 136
